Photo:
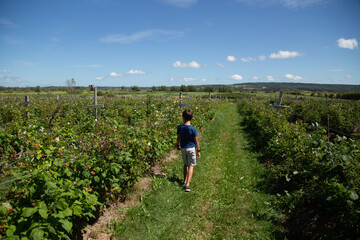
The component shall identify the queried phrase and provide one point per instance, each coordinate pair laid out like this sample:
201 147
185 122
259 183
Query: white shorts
189 156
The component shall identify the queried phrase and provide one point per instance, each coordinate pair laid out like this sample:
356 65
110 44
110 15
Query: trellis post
278 106
95 106
280 98
27 101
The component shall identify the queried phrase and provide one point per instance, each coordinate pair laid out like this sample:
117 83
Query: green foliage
342 116
163 88
316 176
225 89
70 166
183 88
174 89
191 88
208 89
350 96
135 88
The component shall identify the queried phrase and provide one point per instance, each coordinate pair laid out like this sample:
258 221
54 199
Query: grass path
224 202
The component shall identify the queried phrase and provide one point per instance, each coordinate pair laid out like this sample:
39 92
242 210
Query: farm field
59 165
255 180
92 94
311 151
224 202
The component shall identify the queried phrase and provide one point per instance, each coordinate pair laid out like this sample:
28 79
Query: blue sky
174 42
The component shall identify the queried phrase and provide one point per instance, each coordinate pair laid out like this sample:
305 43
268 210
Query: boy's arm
197 145
177 146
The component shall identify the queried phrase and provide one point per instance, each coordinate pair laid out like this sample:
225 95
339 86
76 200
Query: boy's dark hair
187 114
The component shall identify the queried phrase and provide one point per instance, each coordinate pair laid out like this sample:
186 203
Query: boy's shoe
187 188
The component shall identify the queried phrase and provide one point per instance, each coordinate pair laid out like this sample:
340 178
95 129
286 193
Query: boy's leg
189 170
185 173
189 158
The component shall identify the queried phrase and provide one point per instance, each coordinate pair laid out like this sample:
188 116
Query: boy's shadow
175 179
171 178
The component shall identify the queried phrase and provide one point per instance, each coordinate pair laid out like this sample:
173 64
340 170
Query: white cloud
293 77
135 72
114 74
10 80
256 78
348 43
248 59
262 58
270 78
285 3
204 80
151 34
236 77
336 70
7 23
99 78
299 3
4 71
181 3
220 65
189 79
191 64
348 76
231 59
284 54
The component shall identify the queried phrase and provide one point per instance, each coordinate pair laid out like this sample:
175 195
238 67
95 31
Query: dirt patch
208 223
117 209
225 137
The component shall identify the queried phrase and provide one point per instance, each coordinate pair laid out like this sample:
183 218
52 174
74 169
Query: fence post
27 101
280 98
93 88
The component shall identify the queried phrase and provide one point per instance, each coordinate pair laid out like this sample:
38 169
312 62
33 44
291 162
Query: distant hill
258 86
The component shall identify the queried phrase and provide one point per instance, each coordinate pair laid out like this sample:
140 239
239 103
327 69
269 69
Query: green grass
224 202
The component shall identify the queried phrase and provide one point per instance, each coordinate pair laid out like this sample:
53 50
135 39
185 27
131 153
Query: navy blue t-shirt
187 134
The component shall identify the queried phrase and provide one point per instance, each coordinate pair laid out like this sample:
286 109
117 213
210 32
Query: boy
186 142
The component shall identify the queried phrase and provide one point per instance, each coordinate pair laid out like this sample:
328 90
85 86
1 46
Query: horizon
178 42
202 85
